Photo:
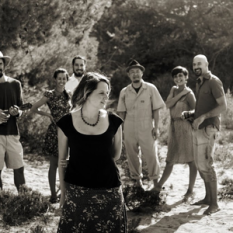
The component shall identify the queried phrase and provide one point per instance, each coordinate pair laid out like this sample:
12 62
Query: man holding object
211 102
11 151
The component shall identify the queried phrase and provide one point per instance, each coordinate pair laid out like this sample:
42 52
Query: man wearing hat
139 105
11 151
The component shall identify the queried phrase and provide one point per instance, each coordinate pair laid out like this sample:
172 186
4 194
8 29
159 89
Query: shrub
226 193
16 209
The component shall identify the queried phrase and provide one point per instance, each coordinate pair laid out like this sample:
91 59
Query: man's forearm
215 112
156 118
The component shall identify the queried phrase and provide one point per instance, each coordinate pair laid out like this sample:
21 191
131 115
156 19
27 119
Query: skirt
89 210
51 141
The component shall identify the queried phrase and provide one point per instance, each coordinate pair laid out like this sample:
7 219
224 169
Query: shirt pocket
144 103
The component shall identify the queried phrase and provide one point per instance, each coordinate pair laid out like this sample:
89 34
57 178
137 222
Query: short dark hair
179 69
79 57
86 86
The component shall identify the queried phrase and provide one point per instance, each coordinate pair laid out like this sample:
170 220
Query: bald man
211 102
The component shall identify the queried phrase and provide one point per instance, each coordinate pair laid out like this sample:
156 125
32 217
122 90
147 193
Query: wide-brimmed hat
6 58
134 64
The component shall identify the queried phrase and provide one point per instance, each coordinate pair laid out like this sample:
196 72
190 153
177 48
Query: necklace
98 118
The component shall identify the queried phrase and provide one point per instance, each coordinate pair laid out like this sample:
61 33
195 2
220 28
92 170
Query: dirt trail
177 216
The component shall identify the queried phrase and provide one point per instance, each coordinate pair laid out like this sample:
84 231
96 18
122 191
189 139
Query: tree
162 34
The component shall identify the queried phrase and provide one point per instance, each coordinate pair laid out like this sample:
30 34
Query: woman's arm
191 100
171 101
117 144
38 104
62 155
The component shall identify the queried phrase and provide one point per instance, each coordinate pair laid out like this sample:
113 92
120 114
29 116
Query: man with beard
211 102
79 67
139 105
11 151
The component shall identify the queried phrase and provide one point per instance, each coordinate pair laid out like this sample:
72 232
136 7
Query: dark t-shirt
91 163
207 93
10 94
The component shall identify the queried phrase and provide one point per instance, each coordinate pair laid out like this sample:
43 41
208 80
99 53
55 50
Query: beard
79 73
198 72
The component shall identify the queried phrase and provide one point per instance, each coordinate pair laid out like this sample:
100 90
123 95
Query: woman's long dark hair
63 71
86 86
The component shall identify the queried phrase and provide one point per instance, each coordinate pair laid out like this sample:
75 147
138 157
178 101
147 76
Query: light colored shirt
72 83
140 106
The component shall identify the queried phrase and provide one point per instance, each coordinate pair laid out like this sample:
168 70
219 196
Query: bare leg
192 178
207 198
19 177
155 181
0 179
213 204
166 173
52 176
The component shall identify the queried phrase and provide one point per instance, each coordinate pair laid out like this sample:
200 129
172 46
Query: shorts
11 152
203 146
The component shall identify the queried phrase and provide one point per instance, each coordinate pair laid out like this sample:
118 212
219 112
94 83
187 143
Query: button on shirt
72 83
140 106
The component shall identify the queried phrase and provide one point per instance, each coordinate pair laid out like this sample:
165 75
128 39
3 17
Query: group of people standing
91 137
195 122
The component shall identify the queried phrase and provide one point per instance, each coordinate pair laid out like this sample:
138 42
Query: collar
3 79
143 85
73 77
206 76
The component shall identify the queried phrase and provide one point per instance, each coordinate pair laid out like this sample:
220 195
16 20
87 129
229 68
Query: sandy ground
176 216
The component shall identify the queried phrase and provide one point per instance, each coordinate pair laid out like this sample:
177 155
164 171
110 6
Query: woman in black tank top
91 194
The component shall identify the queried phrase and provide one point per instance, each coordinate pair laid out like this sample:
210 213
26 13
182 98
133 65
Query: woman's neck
182 87
59 89
89 111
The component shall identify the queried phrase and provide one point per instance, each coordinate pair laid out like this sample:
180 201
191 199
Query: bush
16 209
226 193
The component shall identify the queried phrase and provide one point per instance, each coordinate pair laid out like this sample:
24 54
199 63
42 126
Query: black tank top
91 163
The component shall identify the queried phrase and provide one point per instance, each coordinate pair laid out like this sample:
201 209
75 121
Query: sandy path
182 217
177 216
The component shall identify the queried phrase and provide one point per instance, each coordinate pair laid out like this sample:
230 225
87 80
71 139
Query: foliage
136 199
227 117
226 193
25 23
44 35
16 209
163 34
38 229
133 224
